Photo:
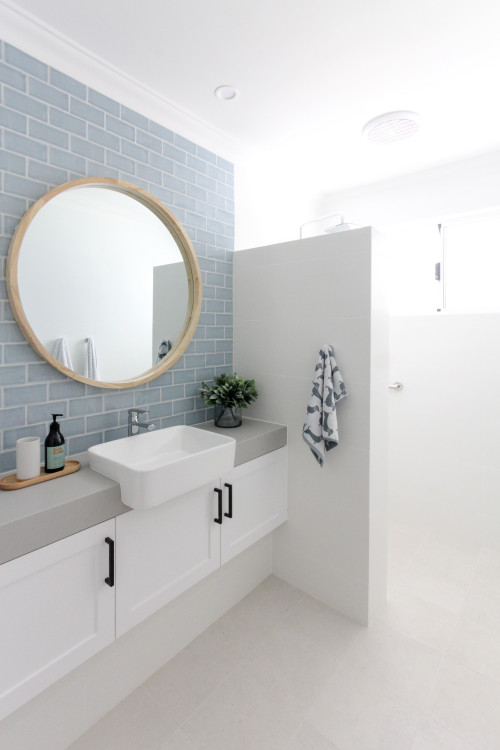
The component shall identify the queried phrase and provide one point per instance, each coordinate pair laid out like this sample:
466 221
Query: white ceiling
310 72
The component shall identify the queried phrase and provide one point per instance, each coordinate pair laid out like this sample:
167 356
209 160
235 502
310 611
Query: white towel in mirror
61 353
90 367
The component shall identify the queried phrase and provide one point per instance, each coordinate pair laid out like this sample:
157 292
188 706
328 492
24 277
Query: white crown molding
33 36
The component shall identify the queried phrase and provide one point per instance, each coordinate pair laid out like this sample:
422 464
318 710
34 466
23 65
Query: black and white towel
163 350
320 430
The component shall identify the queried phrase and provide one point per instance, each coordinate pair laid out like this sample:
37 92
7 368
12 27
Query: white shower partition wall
290 299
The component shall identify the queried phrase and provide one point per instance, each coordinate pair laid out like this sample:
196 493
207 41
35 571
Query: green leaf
230 391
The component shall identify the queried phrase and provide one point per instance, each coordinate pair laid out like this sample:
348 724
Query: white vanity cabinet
259 502
164 550
65 600
56 610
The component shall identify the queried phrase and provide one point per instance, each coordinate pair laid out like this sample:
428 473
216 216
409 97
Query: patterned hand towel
320 430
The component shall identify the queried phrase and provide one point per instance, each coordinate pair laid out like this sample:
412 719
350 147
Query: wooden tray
13 483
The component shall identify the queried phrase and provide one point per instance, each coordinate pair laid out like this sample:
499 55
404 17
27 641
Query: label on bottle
56 456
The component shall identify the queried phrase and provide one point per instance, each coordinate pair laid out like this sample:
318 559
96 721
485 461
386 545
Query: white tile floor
281 671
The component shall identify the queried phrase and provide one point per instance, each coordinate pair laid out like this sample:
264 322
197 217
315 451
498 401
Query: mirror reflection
103 283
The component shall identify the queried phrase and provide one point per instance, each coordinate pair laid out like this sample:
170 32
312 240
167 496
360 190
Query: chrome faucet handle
134 415
135 424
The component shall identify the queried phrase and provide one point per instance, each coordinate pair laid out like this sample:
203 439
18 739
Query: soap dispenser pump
55 448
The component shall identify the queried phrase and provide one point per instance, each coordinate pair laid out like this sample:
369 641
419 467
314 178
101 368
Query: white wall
275 196
432 194
273 199
170 302
290 299
443 427
379 426
443 441
444 471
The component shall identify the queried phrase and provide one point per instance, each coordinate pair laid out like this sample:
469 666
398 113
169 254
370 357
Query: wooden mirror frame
183 243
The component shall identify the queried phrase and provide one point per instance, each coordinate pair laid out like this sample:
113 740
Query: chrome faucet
135 424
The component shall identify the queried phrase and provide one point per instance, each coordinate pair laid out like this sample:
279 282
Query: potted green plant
228 395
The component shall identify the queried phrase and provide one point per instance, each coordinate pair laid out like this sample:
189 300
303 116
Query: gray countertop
253 439
44 513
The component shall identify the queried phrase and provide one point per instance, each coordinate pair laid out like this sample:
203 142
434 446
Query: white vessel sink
154 467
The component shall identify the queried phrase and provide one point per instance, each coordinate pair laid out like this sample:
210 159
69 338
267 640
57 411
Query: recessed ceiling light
392 127
226 92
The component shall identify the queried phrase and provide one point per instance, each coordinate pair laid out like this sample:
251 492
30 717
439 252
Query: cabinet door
162 551
55 612
259 502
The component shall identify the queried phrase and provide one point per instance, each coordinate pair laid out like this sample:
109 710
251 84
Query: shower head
324 225
342 227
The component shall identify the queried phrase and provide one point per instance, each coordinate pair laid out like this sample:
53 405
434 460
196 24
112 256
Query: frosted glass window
471 255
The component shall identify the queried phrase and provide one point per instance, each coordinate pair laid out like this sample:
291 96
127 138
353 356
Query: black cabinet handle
229 513
219 512
110 580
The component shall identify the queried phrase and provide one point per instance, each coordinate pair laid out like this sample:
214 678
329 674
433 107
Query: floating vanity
88 557
80 568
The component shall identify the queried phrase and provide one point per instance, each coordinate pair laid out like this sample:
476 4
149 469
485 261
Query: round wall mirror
104 282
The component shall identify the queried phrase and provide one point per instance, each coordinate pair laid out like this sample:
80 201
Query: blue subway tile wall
54 129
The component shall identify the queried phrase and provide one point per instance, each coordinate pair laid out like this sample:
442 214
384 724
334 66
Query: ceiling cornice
36 38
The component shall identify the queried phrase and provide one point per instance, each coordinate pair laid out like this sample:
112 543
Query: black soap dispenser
55 449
